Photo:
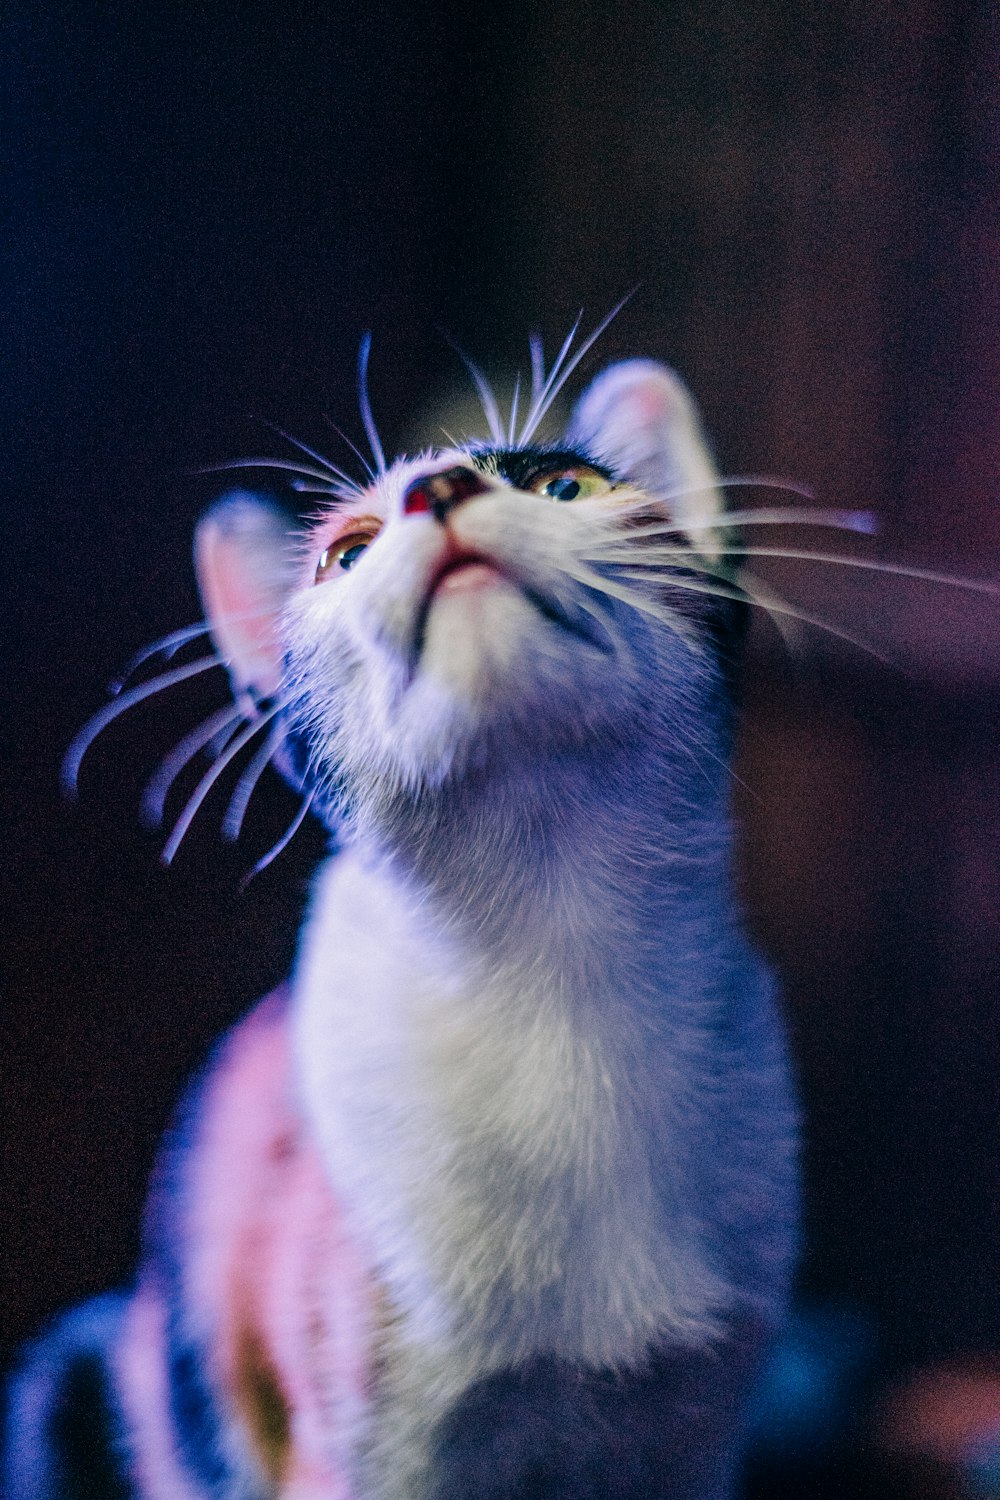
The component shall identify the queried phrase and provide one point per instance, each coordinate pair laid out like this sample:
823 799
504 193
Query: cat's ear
638 418
245 558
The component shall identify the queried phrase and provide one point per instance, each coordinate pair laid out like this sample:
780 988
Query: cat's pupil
563 488
350 557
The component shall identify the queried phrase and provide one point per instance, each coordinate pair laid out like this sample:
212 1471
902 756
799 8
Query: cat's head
487 607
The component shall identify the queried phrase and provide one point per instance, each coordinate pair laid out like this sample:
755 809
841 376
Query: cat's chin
485 637
496 672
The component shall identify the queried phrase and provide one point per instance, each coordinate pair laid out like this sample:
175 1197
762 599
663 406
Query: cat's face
482 608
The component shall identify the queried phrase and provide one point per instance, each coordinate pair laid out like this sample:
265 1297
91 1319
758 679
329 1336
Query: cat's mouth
461 571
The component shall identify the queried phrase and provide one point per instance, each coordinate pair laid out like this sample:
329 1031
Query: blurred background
204 208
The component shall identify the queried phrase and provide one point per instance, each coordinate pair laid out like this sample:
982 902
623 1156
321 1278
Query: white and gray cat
499 1201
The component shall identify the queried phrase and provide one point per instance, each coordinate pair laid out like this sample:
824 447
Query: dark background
204 208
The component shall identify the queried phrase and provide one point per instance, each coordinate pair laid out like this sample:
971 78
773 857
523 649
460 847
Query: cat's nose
441 493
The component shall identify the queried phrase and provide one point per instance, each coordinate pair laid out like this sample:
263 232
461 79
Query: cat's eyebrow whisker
211 776
338 473
282 844
537 365
276 463
512 425
154 796
365 405
232 823
331 491
553 387
125 700
353 447
488 401
540 405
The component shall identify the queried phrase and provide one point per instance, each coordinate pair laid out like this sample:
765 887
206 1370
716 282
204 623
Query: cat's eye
342 554
579 482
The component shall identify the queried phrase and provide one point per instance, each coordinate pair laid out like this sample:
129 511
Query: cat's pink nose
440 493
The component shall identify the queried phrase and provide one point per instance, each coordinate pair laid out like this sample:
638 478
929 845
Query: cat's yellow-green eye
578 482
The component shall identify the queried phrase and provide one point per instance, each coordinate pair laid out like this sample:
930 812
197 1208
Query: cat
497 1200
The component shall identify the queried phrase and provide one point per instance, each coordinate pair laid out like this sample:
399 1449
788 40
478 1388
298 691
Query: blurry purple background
204 209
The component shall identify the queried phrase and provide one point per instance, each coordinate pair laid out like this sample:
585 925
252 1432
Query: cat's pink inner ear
639 419
245 561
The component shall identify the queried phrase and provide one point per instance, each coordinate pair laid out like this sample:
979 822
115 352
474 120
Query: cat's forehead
519 467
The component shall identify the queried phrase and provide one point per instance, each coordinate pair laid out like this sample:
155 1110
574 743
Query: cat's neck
589 876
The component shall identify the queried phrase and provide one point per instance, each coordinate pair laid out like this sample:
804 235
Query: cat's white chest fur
489 1147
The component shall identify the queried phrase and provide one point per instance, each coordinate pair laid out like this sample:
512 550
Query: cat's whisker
748 589
651 556
620 642
876 565
730 772
641 601
216 746
282 844
552 389
167 646
860 522
738 521
170 644
746 482
154 796
211 776
126 700
364 402
743 587
601 617
232 823
786 621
